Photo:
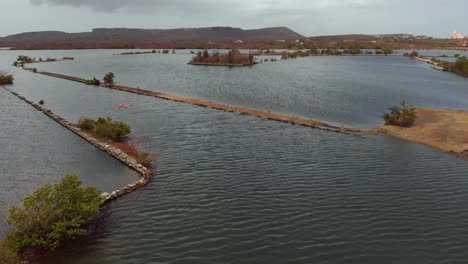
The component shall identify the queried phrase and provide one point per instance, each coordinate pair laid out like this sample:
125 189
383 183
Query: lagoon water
237 189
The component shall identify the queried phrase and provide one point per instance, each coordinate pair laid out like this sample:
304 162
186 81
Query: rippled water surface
36 151
237 189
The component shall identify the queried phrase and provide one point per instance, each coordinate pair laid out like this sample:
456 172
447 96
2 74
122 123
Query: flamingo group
121 105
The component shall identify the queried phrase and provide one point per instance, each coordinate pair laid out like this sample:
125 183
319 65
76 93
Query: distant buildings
456 35
238 41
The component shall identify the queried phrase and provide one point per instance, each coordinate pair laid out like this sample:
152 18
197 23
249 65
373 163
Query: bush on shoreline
145 159
105 128
6 79
461 66
7 256
109 79
52 215
403 115
85 123
94 82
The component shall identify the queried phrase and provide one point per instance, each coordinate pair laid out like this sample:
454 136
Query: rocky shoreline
145 173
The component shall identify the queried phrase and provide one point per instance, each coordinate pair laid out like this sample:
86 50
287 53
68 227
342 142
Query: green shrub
41 102
387 51
94 82
7 256
461 65
145 159
109 79
403 115
108 129
25 59
6 79
86 123
52 215
414 54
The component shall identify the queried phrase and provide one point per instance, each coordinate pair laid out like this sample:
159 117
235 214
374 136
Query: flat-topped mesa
232 59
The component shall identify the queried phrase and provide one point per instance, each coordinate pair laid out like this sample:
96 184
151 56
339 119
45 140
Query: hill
146 38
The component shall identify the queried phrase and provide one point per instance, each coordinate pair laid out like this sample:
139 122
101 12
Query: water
237 189
37 151
349 91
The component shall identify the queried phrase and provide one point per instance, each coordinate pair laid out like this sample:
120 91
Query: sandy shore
443 129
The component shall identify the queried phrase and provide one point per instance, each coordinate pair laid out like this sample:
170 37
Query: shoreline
129 161
442 129
424 114
436 66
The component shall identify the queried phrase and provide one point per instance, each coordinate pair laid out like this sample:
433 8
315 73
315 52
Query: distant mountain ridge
141 36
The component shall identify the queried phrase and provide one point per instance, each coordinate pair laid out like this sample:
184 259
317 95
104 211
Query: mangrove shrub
94 82
403 115
7 256
86 123
461 65
114 130
109 79
6 79
145 159
52 215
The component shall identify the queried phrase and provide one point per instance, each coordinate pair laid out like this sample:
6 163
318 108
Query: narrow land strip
128 160
242 110
444 129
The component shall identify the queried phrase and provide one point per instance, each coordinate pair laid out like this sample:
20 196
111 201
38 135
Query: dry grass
444 129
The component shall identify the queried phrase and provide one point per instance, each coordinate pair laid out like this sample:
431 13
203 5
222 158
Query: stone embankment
144 172
229 108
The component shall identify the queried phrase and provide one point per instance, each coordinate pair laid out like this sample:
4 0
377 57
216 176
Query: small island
234 58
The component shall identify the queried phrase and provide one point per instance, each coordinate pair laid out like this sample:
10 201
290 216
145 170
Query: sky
307 17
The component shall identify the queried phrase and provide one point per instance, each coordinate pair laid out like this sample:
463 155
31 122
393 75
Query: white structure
456 35
238 41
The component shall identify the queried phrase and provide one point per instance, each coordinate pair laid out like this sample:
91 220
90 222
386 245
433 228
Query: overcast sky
308 17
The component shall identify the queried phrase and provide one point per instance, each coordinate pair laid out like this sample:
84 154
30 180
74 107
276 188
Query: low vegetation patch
144 158
7 256
413 54
6 79
460 66
93 81
403 115
105 128
52 215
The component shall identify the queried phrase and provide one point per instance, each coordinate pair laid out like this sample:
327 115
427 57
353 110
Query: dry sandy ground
444 129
